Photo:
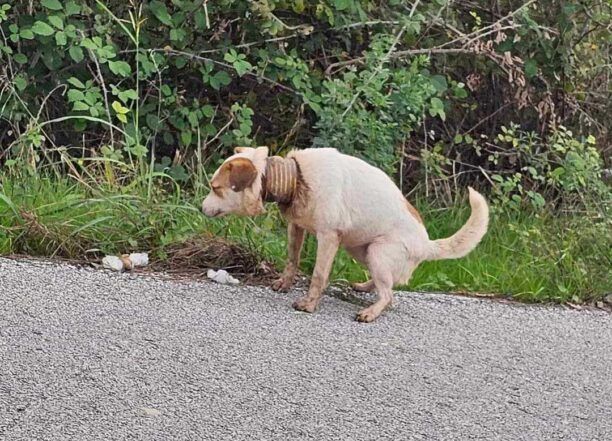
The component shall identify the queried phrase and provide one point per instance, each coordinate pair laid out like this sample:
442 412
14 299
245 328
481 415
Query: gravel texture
90 355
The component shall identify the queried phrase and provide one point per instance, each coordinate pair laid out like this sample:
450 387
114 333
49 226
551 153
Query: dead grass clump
195 256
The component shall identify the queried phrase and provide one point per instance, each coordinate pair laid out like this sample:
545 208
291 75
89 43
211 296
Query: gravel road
88 355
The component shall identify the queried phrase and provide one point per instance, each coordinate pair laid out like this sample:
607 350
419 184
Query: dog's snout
210 211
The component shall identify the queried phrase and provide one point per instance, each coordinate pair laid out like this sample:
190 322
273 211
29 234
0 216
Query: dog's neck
280 180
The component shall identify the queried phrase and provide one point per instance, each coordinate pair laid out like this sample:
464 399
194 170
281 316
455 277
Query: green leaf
245 128
120 68
56 21
460 92
42 28
437 108
121 117
439 83
186 138
193 119
436 103
70 31
208 111
54 5
129 94
152 121
80 106
160 11
76 82
180 62
20 58
88 43
118 107
177 34
91 98
60 39
341 5
72 8
531 68
76 53
219 80
166 90
20 83
230 56
26 34
75 95
200 19
298 6
242 67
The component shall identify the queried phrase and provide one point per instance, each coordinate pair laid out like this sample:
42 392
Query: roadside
96 355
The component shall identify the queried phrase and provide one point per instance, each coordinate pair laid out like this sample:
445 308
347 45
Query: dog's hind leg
327 247
386 268
360 254
364 287
295 240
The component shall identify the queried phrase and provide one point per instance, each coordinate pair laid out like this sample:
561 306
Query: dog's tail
468 236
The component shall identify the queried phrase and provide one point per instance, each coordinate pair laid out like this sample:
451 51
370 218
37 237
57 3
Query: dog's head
236 185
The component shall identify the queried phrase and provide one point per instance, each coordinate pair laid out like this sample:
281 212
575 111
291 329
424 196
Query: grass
533 258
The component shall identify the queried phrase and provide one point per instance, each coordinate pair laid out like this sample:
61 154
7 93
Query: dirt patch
194 257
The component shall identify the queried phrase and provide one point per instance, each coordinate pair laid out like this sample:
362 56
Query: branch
465 39
225 65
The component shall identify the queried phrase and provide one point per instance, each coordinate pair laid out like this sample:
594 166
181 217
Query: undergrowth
531 257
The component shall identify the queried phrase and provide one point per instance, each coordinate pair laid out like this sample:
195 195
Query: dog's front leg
327 247
295 240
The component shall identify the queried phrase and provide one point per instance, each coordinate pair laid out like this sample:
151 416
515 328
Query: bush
123 81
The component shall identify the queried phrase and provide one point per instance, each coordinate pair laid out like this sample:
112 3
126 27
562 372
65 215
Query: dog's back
355 198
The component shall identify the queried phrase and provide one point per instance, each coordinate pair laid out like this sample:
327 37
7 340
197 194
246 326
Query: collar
279 181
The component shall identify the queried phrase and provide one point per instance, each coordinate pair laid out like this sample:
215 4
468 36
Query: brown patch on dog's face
414 212
232 190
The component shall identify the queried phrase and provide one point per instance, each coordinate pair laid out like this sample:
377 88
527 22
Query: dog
343 201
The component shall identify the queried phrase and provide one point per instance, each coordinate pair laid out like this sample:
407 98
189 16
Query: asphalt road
88 355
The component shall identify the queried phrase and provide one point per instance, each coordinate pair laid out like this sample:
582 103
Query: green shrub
128 80
562 165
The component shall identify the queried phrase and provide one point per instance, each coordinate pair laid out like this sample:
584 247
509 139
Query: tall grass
531 257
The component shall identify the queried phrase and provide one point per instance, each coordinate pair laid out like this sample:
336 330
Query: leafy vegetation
114 112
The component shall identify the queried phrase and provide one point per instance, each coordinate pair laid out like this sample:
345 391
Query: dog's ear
241 149
242 173
261 153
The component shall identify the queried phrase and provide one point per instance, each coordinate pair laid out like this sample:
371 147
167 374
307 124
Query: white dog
342 200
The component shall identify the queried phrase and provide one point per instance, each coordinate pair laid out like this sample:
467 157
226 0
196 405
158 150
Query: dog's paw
305 304
367 315
283 284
